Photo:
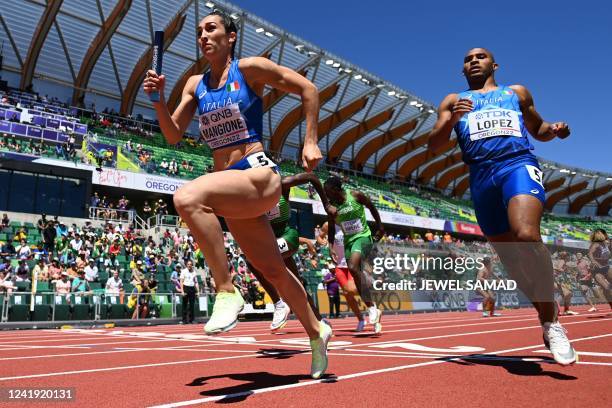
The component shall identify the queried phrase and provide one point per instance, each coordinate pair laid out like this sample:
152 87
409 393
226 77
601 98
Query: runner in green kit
288 243
358 240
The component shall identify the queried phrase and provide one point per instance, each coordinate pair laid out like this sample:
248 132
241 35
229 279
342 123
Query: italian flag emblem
232 86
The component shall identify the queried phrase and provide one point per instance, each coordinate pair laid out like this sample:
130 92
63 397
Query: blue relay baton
156 65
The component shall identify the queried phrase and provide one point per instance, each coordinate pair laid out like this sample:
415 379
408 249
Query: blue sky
560 50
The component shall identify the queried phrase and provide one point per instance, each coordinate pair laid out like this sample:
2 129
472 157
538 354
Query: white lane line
335 379
96 370
305 351
582 353
465 334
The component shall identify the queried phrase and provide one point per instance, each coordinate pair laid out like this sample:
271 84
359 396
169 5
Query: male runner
492 123
287 239
351 217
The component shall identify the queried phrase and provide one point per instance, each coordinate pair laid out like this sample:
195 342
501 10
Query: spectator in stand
163 166
147 211
80 284
114 286
114 251
173 168
91 271
95 200
48 236
447 238
63 286
23 250
55 270
72 270
40 271
184 166
122 206
59 151
61 229
175 279
76 243
23 272
161 208
138 273
41 223
21 235
6 281
5 222
7 250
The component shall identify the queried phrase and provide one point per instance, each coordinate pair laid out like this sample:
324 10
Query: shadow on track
517 365
248 383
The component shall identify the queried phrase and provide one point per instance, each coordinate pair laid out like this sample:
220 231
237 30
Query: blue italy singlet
230 115
496 146
494 129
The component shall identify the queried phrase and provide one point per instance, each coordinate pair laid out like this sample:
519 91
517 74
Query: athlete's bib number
274 213
352 227
283 246
223 126
535 174
493 122
260 160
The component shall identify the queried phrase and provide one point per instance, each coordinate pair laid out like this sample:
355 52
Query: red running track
439 359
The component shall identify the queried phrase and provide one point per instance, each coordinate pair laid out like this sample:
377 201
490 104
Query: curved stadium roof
101 49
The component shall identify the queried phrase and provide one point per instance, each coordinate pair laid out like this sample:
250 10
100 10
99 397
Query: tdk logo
493 114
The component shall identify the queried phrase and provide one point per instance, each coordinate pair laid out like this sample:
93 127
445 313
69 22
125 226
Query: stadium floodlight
336 65
419 105
269 34
573 173
348 70
413 103
329 62
311 53
259 30
403 97
431 111
358 76
564 171
299 47
380 86
209 4
391 93
609 179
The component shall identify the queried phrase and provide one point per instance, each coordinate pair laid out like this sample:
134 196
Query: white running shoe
225 312
570 313
555 340
281 315
360 326
377 328
485 314
374 314
319 351
593 309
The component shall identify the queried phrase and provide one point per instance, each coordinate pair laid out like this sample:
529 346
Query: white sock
280 303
